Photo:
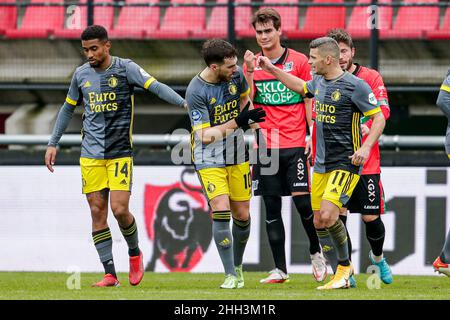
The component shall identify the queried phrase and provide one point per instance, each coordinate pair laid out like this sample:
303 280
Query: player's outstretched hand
264 63
50 157
255 115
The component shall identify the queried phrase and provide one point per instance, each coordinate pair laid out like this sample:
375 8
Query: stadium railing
170 140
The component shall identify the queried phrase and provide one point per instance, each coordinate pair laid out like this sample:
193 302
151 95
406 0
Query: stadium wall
46 225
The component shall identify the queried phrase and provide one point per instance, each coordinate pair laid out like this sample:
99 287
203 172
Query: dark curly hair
94 32
216 50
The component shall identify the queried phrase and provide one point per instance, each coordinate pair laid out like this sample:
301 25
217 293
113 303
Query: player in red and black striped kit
284 133
368 197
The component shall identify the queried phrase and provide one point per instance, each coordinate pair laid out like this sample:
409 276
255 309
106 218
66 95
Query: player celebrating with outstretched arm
104 86
340 100
219 106
368 196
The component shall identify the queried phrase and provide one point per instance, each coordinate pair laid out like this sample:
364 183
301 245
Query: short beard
349 65
223 78
96 63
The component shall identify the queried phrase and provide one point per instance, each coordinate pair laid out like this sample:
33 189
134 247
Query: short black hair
94 32
217 50
327 46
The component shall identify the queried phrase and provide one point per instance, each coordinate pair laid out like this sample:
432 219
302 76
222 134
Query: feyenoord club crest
232 89
178 222
336 95
112 82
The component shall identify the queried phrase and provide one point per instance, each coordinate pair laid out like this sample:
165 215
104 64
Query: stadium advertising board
46 224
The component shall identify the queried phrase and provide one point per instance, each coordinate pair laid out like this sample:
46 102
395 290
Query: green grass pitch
205 286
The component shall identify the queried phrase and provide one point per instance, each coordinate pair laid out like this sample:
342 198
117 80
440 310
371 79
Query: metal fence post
90 12
374 37
231 23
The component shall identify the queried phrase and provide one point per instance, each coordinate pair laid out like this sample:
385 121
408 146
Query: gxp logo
371 189
300 169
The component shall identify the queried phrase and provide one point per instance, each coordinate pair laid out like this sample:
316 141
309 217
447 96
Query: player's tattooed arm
361 155
249 59
309 121
292 82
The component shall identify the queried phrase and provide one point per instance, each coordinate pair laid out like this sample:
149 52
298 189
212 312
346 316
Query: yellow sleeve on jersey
305 89
246 93
71 101
445 88
201 126
149 82
372 112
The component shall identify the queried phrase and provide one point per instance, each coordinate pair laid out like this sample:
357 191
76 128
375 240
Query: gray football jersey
108 101
444 102
339 105
212 104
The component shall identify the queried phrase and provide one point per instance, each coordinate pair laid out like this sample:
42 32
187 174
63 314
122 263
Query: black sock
275 230
344 221
375 234
303 205
344 263
134 252
109 267
241 233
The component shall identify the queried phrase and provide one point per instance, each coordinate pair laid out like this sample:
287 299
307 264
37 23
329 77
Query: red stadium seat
8 17
444 31
319 20
360 17
180 22
217 26
39 21
413 22
103 15
243 20
136 22
289 15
